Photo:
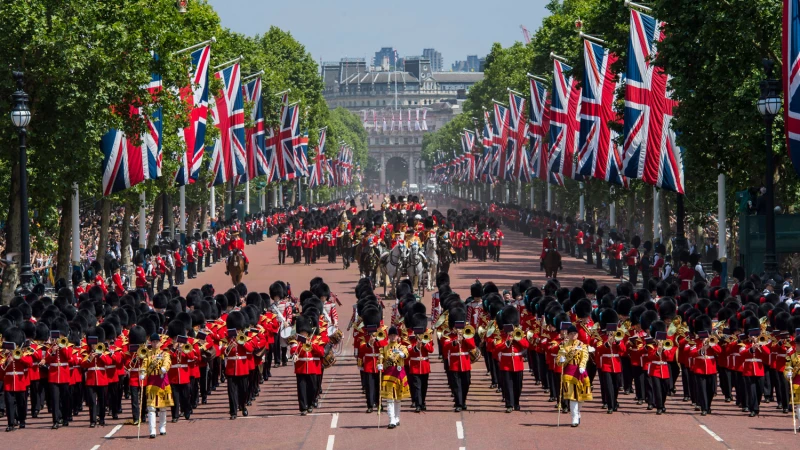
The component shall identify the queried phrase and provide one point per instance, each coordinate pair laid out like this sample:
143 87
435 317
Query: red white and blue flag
290 129
317 177
499 141
791 80
484 168
257 164
651 153
538 127
564 124
195 95
230 118
127 163
599 154
301 155
517 139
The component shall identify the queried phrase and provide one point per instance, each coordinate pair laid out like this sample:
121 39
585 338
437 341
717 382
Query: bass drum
286 332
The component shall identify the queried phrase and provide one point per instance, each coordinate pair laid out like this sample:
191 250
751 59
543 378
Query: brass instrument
619 335
667 345
63 342
186 348
764 338
17 353
241 338
379 335
426 337
468 332
142 352
492 327
518 334
529 336
481 331
713 340
100 348
441 319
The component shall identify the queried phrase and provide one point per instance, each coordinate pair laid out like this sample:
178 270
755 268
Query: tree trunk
154 225
105 219
204 216
648 215
64 252
630 205
126 234
13 238
191 220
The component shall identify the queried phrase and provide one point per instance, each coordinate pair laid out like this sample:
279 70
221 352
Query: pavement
341 421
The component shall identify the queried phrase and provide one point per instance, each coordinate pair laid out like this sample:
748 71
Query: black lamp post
768 105
21 117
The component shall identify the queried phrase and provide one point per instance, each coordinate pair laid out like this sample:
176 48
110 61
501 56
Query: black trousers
61 401
191 269
688 383
705 387
37 394
541 367
419 388
627 374
609 387
632 274
179 275
113 399
661 387
307 255
639 376
16 407
237 393
782 391
725 382
180 397
512 387
96 398
306 390
372 388
136 405
497 253
461 382
203 383
589 256
599 258
755 388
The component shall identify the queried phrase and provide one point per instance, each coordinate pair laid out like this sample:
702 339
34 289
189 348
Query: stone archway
396 172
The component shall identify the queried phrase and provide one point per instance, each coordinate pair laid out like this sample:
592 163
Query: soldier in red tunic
237 243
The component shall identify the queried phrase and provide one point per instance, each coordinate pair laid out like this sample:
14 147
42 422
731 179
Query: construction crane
525 34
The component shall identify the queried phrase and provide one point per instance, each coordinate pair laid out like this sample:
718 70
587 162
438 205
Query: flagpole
182 213
247 197
549 198
560 58
537 78
76 226
722 226
612 213
210 41
656 214
212 204
632 5
226 64
142 222
589 37
581 208
251 76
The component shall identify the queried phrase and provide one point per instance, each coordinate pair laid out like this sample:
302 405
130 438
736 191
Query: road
342 423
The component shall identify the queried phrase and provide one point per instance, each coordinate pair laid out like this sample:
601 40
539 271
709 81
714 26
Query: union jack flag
257 164
791 67
301 155
499 141
196 97
599 155
484 168
651 152
517 138
230 121
317 177
290 129
564 124
468 141
219 160
538 126
127 163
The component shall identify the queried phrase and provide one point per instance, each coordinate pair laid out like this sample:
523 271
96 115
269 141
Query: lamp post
21 117
769 103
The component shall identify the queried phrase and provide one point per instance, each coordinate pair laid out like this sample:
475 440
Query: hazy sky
331 29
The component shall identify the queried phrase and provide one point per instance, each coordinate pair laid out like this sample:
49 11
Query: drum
474 355
329 359
286 332
335 337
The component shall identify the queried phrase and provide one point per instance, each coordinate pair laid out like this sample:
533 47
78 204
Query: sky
332 29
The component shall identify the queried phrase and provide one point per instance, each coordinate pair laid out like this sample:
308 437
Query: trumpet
379 335
619 335
667 345
518 334
17 353
241 338
63 342
713 340
425 337
186 348
468 332
142 352
100 348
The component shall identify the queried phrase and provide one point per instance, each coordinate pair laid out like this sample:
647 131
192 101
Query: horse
431 247
415 268
444 256
392 264
345 249
552 263
235 267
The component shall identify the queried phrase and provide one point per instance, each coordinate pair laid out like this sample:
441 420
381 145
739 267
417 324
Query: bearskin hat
304 324
608 316
321 290
236 320
457 314
99 332
510 315
657 326
15 335
666 309
137 335
702 323
582 309
590 285
175 329
623 306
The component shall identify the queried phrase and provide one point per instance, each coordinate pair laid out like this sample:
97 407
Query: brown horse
235 267
551 262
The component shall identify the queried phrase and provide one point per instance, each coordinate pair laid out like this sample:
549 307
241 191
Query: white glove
380 367
562 360
141 376
163 370
581 370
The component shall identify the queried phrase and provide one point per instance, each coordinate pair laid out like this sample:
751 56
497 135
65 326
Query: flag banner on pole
424 120
195 95
598 154
230 118
317 176
256 135
791 80
499 141
126 163
288 134
417 126
564 123
651 153
301 155
517 139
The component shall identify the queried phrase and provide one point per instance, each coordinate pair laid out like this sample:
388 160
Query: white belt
15 373
658 362
753 360
59 365
111 367
373 355
462 354
235 358
781 355
308 359
424 358
134 370
610 355
505 354
704 357
179 366
96 368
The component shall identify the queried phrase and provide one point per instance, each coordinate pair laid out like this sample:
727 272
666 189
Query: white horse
392 265
433 259
416 268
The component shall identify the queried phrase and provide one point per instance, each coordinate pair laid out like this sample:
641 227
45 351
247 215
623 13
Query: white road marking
462 448
714 435
330 442
334 420
96 447
459 430
116 428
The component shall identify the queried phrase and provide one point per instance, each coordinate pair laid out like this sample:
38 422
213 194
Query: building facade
397 108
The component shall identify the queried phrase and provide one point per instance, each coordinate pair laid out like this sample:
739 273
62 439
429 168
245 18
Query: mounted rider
236 243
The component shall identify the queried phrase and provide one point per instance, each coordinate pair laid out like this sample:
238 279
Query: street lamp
768 105
21 117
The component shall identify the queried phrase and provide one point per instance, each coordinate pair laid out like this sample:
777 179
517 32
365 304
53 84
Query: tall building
472 64
437 62
397 109
385 52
